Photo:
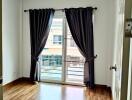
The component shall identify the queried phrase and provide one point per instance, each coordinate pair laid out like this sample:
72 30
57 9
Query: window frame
59 42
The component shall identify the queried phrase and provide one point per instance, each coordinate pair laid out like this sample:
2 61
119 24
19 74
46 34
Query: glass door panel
74 62
51 56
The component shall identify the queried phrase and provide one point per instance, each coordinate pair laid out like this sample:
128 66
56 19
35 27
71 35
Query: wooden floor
45 91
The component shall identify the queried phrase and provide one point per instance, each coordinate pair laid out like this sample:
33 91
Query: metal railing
74 71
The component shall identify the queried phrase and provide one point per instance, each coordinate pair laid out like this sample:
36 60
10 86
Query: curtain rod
60 9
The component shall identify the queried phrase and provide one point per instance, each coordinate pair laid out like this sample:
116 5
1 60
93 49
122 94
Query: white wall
103 33
10 40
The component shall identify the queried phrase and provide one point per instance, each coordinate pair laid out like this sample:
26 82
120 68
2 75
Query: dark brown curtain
81 27
40 23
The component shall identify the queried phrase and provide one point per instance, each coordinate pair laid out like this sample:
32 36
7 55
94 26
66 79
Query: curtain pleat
40 23
81 27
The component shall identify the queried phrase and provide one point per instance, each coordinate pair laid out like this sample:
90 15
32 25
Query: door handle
113 68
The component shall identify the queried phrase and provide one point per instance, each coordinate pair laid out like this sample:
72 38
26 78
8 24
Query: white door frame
129 92
126 54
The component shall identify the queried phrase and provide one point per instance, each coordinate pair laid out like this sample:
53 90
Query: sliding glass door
74 61
61 60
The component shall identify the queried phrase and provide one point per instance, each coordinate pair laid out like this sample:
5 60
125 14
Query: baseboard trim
25 78
100 86
11 83
16 82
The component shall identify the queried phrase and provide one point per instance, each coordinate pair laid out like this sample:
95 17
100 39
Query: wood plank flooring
24 90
